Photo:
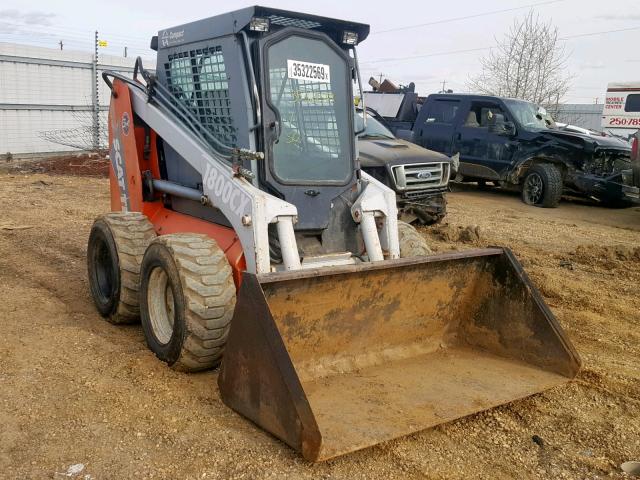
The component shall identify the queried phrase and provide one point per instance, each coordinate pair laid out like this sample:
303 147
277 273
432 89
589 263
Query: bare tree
529 63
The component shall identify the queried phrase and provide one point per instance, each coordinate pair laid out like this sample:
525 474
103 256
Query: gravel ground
75 389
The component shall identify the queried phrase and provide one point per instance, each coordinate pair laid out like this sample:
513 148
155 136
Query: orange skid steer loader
243 224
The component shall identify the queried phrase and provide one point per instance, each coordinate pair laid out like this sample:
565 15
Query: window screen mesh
293 22
197 79
308 113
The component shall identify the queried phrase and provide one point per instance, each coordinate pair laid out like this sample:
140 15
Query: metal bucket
335 360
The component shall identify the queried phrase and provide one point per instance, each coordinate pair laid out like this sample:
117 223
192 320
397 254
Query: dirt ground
75 389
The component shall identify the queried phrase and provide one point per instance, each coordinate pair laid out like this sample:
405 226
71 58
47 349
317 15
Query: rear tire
412 244
542 186
187 299
117 243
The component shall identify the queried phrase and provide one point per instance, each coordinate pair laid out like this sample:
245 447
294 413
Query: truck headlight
259 24
349 38
627 177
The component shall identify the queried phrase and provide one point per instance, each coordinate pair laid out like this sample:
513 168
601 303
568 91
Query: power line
598 33
72 31
469 50
466 17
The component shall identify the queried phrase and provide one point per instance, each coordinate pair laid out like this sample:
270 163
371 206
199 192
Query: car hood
589 140
378 152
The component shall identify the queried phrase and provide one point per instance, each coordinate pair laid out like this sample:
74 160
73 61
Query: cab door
308 123
483 154
435 127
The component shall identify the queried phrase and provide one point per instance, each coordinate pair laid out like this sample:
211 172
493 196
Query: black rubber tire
117 243
189 274
549 189
412 244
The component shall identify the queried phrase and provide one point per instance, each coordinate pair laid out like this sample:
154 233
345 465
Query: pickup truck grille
421 176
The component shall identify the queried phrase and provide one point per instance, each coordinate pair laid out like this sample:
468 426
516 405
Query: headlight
350 38
259 24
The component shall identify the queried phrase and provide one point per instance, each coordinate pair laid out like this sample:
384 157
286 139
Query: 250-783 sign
622 107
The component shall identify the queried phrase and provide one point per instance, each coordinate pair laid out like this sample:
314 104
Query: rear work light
259 24
350 38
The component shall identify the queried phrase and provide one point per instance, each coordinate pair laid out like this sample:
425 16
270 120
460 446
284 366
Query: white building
44 92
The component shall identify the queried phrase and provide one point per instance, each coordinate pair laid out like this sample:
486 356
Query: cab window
443 111
481 113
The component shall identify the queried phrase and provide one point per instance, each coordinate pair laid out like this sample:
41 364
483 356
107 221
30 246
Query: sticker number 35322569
311 72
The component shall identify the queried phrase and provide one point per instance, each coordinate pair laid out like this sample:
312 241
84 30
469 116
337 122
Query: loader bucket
335 360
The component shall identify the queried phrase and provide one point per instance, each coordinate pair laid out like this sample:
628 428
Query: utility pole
61 44
125 52
95 96
444 83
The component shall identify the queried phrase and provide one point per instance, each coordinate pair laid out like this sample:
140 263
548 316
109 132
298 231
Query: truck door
483 154
435 126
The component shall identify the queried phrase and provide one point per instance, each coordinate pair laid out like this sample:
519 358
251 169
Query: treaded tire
412 244
187 299
117 243
549 193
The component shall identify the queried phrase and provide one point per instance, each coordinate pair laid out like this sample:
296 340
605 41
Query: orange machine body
129 159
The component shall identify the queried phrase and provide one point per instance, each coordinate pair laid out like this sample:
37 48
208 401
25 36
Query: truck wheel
187 298
412 244
542 186
116 245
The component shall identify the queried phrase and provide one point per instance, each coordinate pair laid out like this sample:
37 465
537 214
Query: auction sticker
311 72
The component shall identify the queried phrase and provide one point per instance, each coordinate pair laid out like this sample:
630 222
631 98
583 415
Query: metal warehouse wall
581 115
50 93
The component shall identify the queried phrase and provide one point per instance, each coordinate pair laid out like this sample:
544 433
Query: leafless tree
529 63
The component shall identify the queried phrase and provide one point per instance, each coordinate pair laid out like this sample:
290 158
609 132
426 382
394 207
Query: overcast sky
594 60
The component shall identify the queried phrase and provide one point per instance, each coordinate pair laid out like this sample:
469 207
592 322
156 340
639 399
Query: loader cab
278 82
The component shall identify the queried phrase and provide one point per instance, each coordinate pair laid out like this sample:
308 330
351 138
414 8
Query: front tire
116 245
187 299
412 244
542 186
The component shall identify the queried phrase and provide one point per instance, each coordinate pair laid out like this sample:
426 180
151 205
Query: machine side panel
125 179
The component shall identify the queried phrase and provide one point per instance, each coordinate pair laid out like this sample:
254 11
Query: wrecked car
511 143
420 177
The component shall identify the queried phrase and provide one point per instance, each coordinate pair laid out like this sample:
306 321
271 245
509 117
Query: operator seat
472 120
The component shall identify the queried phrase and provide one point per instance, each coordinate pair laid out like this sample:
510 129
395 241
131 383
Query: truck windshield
308 86
374 128
529 115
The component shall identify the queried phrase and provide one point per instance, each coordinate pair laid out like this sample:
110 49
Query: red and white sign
619 110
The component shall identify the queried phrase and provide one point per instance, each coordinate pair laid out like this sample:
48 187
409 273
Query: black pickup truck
419 177
512 143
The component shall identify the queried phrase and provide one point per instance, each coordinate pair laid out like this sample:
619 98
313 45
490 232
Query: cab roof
238 20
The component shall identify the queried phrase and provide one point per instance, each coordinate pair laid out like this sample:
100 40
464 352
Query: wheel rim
533 188
104 271
161 302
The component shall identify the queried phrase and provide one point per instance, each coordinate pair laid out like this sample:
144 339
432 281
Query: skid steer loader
242 223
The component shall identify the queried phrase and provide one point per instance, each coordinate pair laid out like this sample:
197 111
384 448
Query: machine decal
311 72
125 123
225 191
169 37
116 155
